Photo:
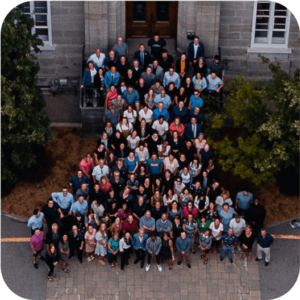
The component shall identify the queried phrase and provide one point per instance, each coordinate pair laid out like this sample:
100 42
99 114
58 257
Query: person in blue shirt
64 200
229 241
111 77
205 154
139 246
132 162
195 100
226 214
265 240
80 206
155 166
214 83
36 221
163 98
77 180
180 111
160 111
242 203
131 96
147 222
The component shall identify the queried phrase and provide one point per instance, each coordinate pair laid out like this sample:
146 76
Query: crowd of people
151 188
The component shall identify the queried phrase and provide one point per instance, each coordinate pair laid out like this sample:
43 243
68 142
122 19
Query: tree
25 126
268 119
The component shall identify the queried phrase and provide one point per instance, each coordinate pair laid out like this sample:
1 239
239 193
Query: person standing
101 246
229 241
195 51
120 48
76 243
156 43
125 249
246 239
113 249
51 261
205 242
167 250
63 250
37 245
139 245
216 228
243 201
153 246
90 242
265 240
183 245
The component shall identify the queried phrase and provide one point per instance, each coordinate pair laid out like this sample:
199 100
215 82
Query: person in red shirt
86 165
130 225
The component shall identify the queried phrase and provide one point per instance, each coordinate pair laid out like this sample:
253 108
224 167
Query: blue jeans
227 249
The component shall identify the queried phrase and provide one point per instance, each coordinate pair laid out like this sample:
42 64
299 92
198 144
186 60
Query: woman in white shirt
216 233
125 249
169 197
130 114
125 127
195 167
133 140
146 113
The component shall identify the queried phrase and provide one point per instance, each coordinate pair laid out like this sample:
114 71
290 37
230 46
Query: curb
15 217
282 222
61 124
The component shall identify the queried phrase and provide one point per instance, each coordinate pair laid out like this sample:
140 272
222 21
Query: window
271 23
41 13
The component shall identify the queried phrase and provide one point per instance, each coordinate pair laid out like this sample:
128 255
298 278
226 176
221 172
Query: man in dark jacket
156 44
265 240
195 51
183 245
142 56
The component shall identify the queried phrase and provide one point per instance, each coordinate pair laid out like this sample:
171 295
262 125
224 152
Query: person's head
118 220
123 59
157 81
182 157
80 198
160 106
148 70
65 189
156 37
143 123
104 180
180 105
217 59
142 170
142 47
237 218
211 206
198 75
153 236
135 63
126 190
183 234
64 238
170 192
132 177
213 75
188 80
74 229
168 172
188 144
141 189
79 174
245 191
124 206
90 65
100 72
115 236
52 249
196 94
186 191
201 60
154 156
120 41
256 201
54 227
90 228
101 162
131 155
141 200
164 216
206 148
226 207
161 119
171 71
174 205
162 93
37 212
196 40
141 232
157 203
113 69
263 232
200 136
193 120
202 219
207 232
190 218
37 232
120 162
230 231
129 72
216 184
195 161
50 202
83 186
130 219
141 81
97 51
178 181
177 119
181 90
148 214
164 53
183 57
175 134
248 229
185 170
101 147
111 54
189 205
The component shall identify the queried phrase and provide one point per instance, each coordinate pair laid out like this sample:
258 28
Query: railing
91 97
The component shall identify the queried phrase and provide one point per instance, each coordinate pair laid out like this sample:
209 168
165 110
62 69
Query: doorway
145 18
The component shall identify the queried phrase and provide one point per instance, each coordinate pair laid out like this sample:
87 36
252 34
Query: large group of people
150 188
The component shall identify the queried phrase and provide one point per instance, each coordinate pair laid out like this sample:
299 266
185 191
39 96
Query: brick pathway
218 280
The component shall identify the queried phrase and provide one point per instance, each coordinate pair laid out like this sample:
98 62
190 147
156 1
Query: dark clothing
202 71
49 261
96 196
113 140
75 244
213 194
176 145
257 214
122 69
152 145
123 171
137 72
122 153
178 66
51 214
229 240
190 153
199 117
182 114
140 254
264 242
75 182
165 252
166 63
189 92
156 214
53 238
109 63
216 68
142 90
156 47
137 55
205 156
124 257
247 241
191 51
130 81
139 210
117 187
176 231
168 184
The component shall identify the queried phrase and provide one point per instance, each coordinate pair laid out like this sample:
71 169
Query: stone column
203 18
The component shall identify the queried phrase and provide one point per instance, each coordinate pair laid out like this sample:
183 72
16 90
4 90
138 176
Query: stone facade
226 25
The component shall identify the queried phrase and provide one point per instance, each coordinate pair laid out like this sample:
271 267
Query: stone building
239 30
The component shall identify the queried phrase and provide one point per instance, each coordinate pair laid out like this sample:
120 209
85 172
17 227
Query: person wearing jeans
228 240
265 240
139 245
183 245
153 246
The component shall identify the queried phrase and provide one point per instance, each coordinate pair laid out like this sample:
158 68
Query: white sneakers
148 268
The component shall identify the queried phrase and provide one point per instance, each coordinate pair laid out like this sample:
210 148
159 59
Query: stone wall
63 59
201 17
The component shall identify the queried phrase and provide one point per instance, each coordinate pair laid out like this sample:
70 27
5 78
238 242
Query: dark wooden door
145 18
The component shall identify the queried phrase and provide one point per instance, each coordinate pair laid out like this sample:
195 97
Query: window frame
49 25
270 29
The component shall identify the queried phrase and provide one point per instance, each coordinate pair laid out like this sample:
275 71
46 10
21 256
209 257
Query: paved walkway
218 280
